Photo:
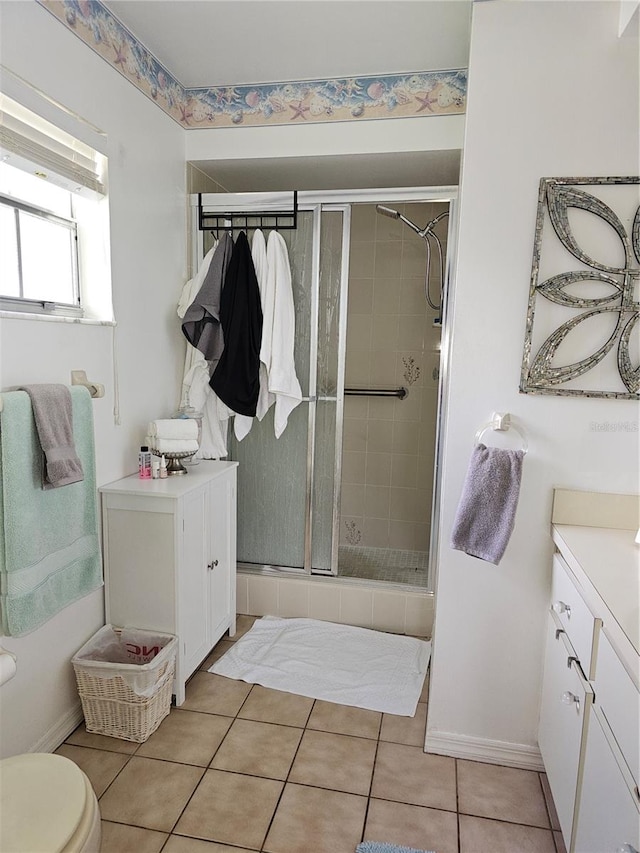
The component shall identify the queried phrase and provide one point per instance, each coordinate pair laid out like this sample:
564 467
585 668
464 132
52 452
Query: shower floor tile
383 564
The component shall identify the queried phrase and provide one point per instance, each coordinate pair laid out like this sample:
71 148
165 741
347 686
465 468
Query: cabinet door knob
561 607
212 565
570 698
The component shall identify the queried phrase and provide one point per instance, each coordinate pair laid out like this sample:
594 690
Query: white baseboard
58 733
480 749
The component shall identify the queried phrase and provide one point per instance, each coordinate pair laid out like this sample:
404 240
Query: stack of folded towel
173 435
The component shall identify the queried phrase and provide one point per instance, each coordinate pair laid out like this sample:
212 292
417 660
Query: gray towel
53 416
486 512
201 322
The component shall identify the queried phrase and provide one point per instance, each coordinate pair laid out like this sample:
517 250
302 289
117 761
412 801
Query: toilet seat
47 806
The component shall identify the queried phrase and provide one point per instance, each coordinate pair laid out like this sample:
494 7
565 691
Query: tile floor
241 768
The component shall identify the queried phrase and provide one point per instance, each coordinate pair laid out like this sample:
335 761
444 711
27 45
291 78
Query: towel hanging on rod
501 422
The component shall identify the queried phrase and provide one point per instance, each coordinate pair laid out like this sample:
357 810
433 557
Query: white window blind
31 143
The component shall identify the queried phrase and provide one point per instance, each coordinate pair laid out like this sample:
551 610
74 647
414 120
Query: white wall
148 263
552 92
435 133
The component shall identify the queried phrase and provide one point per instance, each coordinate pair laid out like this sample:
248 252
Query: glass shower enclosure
289 488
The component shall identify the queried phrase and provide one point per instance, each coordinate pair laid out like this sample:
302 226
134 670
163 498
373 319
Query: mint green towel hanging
49 546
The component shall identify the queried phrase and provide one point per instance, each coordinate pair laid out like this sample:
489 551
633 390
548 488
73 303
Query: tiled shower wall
389 444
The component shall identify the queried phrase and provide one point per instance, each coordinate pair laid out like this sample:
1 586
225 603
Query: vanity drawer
574 615
619 700
566 697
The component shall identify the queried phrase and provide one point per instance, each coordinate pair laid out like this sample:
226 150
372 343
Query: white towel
242 423
184 428
213 440
174 445
195 384
283 382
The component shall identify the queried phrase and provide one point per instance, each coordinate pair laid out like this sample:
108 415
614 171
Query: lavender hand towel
53 416
486 512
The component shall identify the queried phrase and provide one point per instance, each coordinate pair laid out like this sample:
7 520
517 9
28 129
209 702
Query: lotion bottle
144 463
163 468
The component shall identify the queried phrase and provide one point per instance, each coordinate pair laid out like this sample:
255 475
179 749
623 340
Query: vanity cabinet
564 717
170 558
589 731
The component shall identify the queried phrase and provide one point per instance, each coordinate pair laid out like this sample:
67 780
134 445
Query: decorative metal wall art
582 336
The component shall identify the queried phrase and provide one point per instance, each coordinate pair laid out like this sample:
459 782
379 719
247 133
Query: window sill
54 318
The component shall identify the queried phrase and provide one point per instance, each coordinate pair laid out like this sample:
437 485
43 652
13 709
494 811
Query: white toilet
47 806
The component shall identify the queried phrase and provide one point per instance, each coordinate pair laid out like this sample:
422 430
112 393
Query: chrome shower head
395 214
387 211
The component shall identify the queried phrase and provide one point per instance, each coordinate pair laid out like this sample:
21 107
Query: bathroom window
53 219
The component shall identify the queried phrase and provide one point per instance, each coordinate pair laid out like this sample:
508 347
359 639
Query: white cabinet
589 732
566 698
608 821
170 558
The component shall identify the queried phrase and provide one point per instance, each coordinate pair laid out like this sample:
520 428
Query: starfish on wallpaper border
230 95
121 54
425 102
351 86
299 111
185 113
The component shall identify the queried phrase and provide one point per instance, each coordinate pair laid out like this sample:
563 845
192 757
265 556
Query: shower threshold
373 567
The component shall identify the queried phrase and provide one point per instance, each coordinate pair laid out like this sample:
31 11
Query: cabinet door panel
565 697
608 817
220 556
619 700
193 581
139 569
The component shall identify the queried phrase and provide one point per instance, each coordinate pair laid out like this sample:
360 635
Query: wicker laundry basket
125 681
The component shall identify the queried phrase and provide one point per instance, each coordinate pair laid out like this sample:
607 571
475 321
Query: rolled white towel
174 445
182 428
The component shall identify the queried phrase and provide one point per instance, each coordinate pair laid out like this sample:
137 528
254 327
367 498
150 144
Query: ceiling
234 42
207 43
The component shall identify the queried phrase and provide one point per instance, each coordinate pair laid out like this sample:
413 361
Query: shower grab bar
401 393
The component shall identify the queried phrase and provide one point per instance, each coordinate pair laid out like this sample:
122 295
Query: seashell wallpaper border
424 93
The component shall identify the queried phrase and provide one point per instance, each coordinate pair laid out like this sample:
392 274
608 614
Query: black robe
236 376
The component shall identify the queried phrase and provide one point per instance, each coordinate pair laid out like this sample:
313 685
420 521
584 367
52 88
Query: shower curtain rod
238 220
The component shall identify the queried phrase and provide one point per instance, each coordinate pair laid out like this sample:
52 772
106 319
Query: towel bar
79 377
501 422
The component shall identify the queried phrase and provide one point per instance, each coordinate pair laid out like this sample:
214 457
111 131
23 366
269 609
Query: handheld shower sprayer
394 214
426 233
387 211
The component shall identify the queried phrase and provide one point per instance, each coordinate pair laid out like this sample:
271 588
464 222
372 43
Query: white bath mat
337 663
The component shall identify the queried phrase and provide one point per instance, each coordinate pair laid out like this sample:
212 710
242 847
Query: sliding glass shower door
288 487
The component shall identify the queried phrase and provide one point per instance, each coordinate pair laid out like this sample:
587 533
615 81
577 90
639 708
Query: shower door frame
340 201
